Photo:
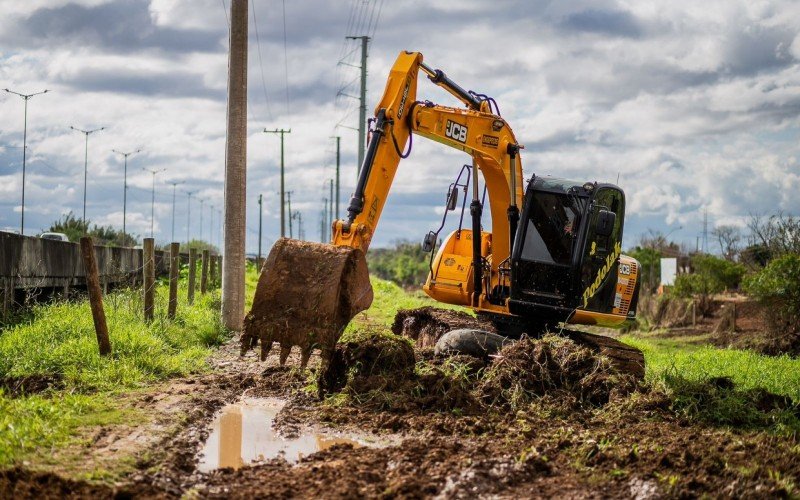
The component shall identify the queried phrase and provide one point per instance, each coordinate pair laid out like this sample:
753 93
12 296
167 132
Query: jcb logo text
456 131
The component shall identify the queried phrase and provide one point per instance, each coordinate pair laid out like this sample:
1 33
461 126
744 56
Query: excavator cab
567 255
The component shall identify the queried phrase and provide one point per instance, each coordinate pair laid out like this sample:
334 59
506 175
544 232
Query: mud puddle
242 433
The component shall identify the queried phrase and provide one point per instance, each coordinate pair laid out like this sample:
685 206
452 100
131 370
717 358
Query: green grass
747 369
696 377
58 340
389 298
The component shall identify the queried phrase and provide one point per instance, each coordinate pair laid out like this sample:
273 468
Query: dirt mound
31 384
555 367
23 483
426 324
377 370
371 360
306 294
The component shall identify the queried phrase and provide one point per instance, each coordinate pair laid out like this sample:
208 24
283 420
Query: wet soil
635 446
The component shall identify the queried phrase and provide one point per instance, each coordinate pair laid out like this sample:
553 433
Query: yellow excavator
553 253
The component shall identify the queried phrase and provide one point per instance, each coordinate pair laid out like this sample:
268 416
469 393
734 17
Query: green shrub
712 275
777 288
405 264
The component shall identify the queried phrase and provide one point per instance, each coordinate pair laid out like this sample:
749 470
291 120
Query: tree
777 288
728 238
405 264
779 234
712 275
74 228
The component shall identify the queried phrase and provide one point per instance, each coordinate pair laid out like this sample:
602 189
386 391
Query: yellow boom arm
475 130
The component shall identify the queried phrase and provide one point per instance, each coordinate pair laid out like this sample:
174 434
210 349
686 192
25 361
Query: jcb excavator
553 253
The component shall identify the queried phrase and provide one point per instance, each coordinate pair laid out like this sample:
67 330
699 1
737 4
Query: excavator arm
475 130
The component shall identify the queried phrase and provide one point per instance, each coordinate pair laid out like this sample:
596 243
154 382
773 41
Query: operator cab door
600 258
545 246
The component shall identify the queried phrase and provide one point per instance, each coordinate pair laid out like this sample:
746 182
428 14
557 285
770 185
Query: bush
405 264
777 288
712 275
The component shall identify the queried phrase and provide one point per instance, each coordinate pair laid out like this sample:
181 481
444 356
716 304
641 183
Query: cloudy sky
693 106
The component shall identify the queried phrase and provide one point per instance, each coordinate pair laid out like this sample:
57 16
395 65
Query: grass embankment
58 344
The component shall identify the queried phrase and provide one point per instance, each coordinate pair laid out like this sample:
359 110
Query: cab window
550 229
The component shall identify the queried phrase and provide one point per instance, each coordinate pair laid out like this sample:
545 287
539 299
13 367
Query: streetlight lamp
85 166
26 98
153 202
125 190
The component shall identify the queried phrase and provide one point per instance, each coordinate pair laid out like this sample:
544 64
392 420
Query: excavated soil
588 437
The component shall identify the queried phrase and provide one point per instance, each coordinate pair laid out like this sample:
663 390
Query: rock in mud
551 366
306 294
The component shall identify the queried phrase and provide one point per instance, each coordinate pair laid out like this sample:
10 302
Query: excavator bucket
307 293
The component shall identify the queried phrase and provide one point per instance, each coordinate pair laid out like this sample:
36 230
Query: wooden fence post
192 273
149 277
204 272
212 272
174 265
95 296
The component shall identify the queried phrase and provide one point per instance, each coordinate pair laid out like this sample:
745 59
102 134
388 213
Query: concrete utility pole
338 158
289 209
153 202
26 98
282 132
174 186
233 265
85 167
299 216
330 210
362 108
189 217
260 218
324 236
125 194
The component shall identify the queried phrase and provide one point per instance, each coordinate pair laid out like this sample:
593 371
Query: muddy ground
635 446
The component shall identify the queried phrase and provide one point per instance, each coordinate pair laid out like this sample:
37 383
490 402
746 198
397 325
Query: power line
260 60
285 58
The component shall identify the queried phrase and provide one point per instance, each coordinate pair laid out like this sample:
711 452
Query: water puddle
242 433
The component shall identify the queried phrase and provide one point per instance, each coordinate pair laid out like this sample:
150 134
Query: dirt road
633 447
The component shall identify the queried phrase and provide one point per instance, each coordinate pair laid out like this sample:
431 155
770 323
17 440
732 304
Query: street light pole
153 202
26 98
174 186
86 133
125 189
189 217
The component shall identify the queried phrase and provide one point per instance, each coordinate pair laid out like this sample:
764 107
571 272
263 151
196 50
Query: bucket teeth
266 346
305 354
306 294
286 349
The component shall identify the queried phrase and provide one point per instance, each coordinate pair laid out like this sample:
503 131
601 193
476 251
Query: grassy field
58 343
